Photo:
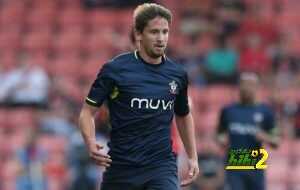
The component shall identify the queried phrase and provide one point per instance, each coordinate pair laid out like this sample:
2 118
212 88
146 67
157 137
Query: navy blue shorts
245 180
154 178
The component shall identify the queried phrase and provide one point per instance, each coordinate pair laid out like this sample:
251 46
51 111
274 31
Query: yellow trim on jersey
240 168
90 100
114 93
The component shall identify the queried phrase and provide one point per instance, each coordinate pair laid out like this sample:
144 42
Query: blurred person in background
25 85
247 124
143 89
221 63
31 160
297 122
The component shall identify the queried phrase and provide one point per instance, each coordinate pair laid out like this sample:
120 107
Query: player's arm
100 91
269 133
87 129
186 129
222 135
272 137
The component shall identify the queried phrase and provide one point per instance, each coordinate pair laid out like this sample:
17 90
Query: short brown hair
148 11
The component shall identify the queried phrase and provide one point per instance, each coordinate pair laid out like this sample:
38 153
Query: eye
153 31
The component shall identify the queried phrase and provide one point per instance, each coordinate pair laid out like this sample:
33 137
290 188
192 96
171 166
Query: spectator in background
221 63
31 160
253 58
26 85
255 23
297 122
229 15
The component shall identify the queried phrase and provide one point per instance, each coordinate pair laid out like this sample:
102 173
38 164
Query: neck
248 101
149 59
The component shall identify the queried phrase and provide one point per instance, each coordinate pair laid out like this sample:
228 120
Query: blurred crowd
51 50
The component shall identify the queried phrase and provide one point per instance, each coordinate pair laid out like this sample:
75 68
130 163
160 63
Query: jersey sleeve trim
91 102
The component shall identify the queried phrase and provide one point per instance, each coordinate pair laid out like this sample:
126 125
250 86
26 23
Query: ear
137 35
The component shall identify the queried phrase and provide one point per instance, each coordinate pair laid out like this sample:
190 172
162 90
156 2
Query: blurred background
51 51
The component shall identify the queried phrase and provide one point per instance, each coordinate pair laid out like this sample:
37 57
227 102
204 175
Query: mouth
159 46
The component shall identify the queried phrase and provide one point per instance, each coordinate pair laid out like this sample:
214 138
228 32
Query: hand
265 138
96 155
261 136
193 172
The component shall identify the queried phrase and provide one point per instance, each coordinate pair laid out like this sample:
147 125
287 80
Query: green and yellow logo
245 159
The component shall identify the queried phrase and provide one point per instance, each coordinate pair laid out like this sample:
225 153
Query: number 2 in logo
261 163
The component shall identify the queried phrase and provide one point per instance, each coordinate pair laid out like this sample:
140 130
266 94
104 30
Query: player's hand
97 155
193 172
261 136
265 138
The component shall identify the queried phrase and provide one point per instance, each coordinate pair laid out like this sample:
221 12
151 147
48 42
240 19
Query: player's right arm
99 92
87 128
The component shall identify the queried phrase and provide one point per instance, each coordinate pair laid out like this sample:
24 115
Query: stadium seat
12 14
8 60
41 18
68 42
100 19
276 186
71 17
64 66
278 169
37 41
98 42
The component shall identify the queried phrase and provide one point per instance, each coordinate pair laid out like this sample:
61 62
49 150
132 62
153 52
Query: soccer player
247 125
143 90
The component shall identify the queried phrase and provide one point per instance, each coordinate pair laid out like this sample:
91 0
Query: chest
149 83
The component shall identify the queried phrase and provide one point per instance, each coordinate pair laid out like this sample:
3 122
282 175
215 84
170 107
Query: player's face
248 90
154 37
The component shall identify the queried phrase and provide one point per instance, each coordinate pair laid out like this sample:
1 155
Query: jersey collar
138 57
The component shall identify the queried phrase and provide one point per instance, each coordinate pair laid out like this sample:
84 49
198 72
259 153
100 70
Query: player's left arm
270 131
186 129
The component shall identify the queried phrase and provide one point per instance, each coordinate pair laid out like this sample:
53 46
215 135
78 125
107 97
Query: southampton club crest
173 87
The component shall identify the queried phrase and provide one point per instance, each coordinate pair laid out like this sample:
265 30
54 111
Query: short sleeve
101 87
181 107
222 124
269 120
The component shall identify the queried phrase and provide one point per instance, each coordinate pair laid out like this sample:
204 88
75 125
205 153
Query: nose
160 36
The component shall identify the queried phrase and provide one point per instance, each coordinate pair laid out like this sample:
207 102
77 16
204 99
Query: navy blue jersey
242 122
142 99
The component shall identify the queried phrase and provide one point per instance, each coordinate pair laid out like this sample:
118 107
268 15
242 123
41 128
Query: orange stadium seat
71 17
295 175
11 15
98 42
8 59
99 19
10 40
39 18
64 66
278 169
91 66
68 42
277 186
37 41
